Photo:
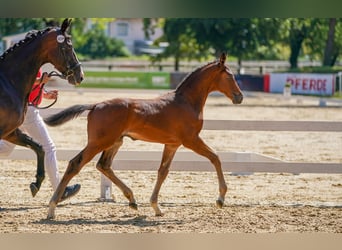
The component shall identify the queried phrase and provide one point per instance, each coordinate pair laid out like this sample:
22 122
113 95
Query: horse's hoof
50 217
219 203
133 205
34 189
159 214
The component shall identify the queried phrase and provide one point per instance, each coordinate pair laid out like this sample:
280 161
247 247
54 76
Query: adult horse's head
62 55
225 81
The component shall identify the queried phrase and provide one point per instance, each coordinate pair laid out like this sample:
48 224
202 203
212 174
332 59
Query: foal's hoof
34 189
219 203
133 205
159 214
50 217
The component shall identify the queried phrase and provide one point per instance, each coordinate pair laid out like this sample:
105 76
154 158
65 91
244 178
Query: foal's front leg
71 171
168 154
73 168
198 146
104 166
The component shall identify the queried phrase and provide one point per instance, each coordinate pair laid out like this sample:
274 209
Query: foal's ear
223 58
65 24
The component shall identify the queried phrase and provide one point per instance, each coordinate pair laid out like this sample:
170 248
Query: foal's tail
67 114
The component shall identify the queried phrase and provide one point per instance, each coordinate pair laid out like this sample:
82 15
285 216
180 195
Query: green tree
150 25
10 26
241 37
200 38
332 47
96 44
268 36
211 34
315 38
298 31
182 41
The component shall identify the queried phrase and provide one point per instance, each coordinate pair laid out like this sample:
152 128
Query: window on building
122 29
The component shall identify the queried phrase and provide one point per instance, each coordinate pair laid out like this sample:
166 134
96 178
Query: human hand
51 94
45 78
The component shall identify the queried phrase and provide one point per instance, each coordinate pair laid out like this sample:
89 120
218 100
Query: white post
106 189
287 90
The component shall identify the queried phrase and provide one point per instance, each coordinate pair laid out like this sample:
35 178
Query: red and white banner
305 84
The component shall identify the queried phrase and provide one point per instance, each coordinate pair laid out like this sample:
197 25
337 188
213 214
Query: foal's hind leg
198 146
168 154
19 138
104 166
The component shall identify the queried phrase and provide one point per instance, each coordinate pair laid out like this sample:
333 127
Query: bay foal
173 119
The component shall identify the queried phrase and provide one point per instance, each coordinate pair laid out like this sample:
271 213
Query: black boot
70 191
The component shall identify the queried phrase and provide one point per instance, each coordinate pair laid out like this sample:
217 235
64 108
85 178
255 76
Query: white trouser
35 127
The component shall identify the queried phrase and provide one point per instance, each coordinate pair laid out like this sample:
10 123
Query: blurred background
159 52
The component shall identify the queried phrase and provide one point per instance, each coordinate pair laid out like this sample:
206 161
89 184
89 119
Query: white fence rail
189 161
252 125
235 162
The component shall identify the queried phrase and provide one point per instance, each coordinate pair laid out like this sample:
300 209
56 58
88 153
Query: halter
70 69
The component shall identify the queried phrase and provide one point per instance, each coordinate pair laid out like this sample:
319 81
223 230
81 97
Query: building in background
131 32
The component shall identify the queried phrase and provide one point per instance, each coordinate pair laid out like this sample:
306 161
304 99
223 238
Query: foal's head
62 55
225 81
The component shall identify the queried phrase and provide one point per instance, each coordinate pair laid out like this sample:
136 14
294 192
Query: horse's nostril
238 98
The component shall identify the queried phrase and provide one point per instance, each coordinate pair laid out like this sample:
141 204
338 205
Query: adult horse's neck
196 87
21 63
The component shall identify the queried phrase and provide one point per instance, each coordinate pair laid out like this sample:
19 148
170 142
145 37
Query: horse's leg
168 154
74 167
19 138
104 166
198 146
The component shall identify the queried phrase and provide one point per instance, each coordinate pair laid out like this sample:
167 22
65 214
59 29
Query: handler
35 127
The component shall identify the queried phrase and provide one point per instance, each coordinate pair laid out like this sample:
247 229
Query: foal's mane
186 78
31 35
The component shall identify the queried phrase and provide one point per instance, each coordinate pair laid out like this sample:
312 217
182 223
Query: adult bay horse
173 119
18 70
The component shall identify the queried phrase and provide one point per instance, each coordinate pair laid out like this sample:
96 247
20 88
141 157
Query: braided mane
31 35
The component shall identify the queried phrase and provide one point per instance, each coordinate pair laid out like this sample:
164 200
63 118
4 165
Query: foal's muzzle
237 98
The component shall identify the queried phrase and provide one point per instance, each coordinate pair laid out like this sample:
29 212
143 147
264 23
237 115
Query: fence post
106 189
